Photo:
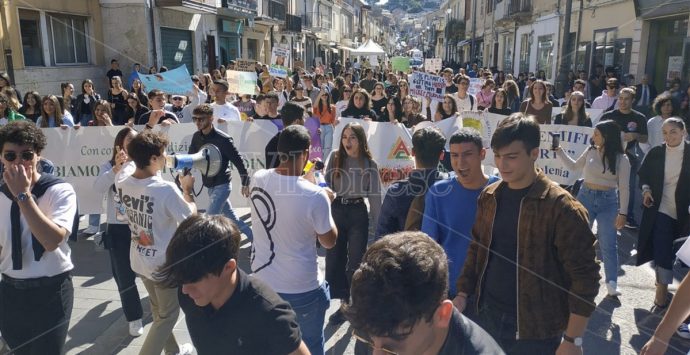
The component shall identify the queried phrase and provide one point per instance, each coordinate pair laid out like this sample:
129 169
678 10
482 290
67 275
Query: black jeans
344 258
35 320
118 241
503 328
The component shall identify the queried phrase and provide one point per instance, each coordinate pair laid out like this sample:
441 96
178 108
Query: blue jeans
602 206
95 220
326 140
84 119
310 308
219 203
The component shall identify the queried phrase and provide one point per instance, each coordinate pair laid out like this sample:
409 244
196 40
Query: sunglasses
177 99
370 345
26 155
348 90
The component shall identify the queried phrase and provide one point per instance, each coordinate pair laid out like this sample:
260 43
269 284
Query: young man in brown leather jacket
531 265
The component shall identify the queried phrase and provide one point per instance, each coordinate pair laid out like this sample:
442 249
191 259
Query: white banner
79 153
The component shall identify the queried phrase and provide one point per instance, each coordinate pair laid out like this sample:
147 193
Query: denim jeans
326 140
503 328
95 220
84 119
663 233
602 206
310 308
219 203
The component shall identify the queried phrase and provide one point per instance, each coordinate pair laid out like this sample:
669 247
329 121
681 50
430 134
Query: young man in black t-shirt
634 127
226 310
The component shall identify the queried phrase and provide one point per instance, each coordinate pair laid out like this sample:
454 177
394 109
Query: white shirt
59 204
466 104
284 251
154 209
672 165
227 112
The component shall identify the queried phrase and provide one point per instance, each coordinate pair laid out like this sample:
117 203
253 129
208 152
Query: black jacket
652 173
228 153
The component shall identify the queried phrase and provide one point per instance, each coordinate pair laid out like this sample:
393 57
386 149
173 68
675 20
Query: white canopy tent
368 48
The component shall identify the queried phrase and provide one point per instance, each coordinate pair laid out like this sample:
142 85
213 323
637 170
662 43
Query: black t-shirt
255 320
466 337
114 72
271 151
633 122
500 281
144 119
452 89
500 111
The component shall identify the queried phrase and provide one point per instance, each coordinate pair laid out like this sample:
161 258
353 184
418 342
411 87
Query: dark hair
402 279
341 155
454 104
202 245
503 92
467 135
106 106
120 141
222 83
517 127
260 98
155 92
397 111
272 96
544 98
580 81
661 100
145 145
59 111
36 97
427 144
367 99
22 132
292 141
4 76
134 96
87 81
64 86
113 61
581 113
290 113
613 146
203 109
328 101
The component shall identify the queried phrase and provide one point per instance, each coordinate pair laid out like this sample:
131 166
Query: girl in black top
135 109
499 103
117 97
138 90
392 112
359 106
445 109
32 106
378 101
86 102
68 99
574 113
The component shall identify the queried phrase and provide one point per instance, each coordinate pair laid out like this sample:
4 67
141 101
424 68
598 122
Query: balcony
293 23
518 7
190 6
248 7
271 12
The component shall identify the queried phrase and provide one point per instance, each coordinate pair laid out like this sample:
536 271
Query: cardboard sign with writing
240 82
433 65
400 64
427 85
245 65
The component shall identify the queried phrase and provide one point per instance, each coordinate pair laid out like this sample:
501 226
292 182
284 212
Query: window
508 54
604 47
489 6
30 29
68 39
525 40
545 55
252 49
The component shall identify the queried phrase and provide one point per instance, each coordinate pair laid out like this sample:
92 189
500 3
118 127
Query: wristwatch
23 196
577 341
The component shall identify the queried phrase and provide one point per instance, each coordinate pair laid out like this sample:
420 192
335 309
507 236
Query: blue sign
176 81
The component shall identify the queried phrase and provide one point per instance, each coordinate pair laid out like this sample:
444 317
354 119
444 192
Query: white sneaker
136 329
683 331
612 289
91 230
185 349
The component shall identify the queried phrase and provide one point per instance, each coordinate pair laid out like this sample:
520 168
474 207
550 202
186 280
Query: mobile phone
555 140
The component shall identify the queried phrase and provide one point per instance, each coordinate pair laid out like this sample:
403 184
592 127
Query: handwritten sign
242 83
427 85
433 65
245 65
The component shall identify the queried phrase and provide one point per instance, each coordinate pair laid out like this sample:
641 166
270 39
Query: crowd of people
446 261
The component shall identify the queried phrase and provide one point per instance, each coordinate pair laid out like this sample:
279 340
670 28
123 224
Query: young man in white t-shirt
37 212
464 100
154 208
222 110
284 254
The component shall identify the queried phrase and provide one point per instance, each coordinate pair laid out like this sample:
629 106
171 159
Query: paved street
98 325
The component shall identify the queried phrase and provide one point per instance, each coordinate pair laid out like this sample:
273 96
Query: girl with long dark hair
117 97
538 103
68 99
574 112
86 102
513 95
325 111
135 109
445 109
353 175
393 112
378 101
499 103
32 106
117 238
359 105
138 90
53 115
664 176
604 192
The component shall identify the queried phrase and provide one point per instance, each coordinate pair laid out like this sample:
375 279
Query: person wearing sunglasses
415 316
608 100
219 187
38 210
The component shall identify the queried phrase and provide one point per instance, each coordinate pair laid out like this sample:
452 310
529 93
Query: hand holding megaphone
187 184
207 160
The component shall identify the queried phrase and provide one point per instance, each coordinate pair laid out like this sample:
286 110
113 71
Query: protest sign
175 81
427 85
475 86
433 65
280 57
400 64
92 146
243 83
245 65
315 150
